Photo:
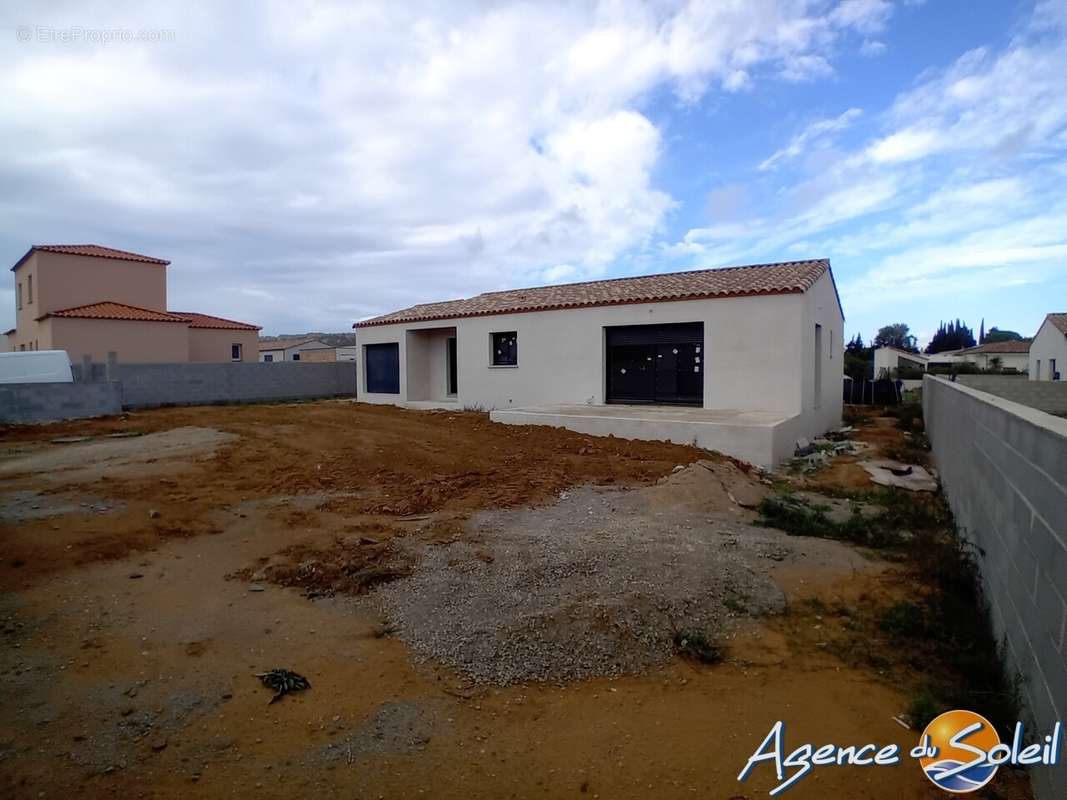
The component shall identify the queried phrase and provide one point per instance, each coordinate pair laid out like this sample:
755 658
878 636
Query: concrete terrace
759 437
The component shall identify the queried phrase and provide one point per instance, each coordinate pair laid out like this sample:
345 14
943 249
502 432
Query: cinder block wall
147 385
1050 396
1004 470
43 402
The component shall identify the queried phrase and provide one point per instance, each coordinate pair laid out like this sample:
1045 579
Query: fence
868 392
1048 396
1004 471
101 389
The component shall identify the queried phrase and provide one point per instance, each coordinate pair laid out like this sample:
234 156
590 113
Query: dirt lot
481 611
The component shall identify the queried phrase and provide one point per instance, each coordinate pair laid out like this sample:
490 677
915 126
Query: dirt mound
350 565
596 584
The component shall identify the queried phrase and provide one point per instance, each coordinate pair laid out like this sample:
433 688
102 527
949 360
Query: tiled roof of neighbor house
91 250
758 279
118 311
1059 320
1017 346
285 344
217 323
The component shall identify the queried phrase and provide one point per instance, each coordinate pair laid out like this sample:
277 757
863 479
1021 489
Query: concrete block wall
44 402
1004 471
1049 396
148 385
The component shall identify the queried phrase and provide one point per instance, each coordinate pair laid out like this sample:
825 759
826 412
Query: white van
35 366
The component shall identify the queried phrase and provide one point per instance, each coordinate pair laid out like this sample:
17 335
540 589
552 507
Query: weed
736 604
924 707
798 518
909 416
854 416
904 619
696 645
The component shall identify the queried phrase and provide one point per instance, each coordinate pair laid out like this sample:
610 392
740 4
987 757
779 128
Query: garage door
383 368
656 364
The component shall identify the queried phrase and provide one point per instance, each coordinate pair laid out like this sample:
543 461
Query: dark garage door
383 368
656 364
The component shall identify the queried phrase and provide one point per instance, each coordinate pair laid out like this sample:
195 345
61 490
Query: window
382 365
296 356
818 365
29 289
1053 375
20 296
268 357
235 352
505 349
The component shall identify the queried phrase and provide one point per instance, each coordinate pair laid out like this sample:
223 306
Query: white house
887 360
1012 355
1048 351
288 349
743 360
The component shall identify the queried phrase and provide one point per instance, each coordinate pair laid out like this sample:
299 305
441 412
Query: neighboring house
758 348
330 354
887 360
1014 355
1048 352
290 349
93 300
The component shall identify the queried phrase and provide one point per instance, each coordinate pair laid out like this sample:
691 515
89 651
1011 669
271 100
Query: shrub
696 645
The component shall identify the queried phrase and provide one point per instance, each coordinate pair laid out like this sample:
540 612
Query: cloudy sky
307 164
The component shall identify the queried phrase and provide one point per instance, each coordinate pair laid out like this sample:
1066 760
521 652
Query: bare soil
155 578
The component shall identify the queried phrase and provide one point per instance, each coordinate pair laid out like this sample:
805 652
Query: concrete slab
753 436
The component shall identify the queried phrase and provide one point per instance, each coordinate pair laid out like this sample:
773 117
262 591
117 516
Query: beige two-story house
93 300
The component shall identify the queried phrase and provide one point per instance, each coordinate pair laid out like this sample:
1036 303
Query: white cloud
959 191
345 159
817 133
872 47
907 145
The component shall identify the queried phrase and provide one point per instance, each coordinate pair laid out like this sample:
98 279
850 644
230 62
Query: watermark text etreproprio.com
76 34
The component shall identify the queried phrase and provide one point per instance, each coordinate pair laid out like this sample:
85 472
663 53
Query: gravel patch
594 585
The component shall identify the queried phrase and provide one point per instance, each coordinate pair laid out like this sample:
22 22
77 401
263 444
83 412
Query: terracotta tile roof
1018 346
91 250
286 344
197 320
758 279
118 311
1060 321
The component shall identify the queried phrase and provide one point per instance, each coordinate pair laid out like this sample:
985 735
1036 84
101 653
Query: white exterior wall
1050 343
752 360
823 403
759 355
1019 361
888 359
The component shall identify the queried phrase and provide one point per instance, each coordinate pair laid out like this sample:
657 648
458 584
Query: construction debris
283 681
912 477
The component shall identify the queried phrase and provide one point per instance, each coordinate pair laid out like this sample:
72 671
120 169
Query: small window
20 296
296 356
29 289
505 349
235 352
268 357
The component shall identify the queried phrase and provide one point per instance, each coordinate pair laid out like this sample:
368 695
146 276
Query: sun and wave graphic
944 769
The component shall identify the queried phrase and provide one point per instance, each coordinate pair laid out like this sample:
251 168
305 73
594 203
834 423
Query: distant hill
332 339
